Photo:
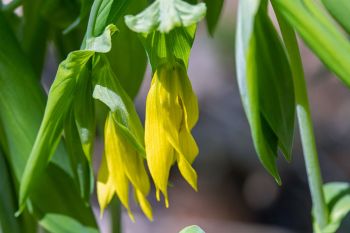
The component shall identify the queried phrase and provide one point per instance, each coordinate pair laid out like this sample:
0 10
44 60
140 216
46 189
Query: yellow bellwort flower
171 113
120 166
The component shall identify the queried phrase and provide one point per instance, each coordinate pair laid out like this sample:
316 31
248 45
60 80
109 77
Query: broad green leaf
60 99
265 84
109 91
176 45
128 58
34 33
192 229
81 165
319 33
337 195
22 102
340 11
8 203
59 102
165 15
214 8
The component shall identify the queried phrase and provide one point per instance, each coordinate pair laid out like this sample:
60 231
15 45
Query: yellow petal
187 171
105 187
113 150
160 154
188 97
144 204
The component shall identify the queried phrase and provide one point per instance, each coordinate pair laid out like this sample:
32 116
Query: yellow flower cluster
171 113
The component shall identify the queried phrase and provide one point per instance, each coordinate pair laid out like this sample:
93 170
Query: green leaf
128 58
265 84
319 33
8 203
34 34
80 161
109 11
337 196
22 103
165 15
214 8
175 45
340 11
60 99
59 102
192 229
109 91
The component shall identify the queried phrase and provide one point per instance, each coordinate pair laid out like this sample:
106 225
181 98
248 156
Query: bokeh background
235 193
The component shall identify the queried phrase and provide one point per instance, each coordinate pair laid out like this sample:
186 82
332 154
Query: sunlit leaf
319 33
59 102
340 11
265 84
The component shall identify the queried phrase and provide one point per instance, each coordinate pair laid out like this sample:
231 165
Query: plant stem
305 124
116 216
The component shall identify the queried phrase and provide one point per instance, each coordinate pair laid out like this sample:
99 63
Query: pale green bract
165 15
192 229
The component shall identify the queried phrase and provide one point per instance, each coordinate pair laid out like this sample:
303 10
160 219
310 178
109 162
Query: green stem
116 216
305 124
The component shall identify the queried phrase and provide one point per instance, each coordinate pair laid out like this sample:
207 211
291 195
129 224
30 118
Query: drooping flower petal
126 165
114 148
105 187
171 113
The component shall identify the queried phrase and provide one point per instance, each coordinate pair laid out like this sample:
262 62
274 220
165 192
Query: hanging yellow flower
171 113
120 166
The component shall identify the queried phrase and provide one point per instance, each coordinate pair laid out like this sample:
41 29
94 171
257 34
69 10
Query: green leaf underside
109 91
340 11
319 33
22 102
265 84
337 195
165 15
214 8
192 229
